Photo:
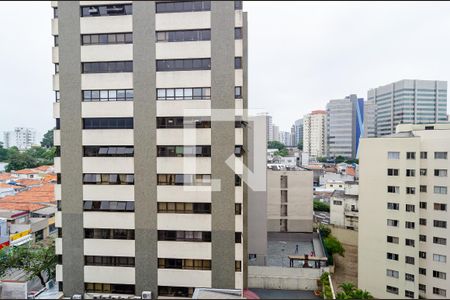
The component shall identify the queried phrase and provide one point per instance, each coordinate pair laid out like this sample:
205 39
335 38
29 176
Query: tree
333 246
325 231
20 161
282 152
322 159
275 145
300 145
321 206
339 159
349 291
38 260
47 141
3 153
347 287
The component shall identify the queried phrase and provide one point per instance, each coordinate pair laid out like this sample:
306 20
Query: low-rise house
344 207
6 190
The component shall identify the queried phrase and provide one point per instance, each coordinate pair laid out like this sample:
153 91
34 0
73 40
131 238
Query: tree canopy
275 145
31 158
47 141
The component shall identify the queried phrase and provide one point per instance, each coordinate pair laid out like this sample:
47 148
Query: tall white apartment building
408 102
403 213
314 133
150 97
275 133
285 138
21 137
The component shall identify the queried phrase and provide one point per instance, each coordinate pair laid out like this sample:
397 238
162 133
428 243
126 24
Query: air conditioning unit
146 295
77 296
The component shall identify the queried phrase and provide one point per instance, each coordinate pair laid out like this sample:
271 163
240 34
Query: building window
183 64
183 122
183 35
184 179
107 38
106 10
440 172
410 173
440 155
439 224
184 264
410 155
178 292
422 288
56 40
57 96
108 151
108 123
237 5
114 234
238 209
440 275
423 205
392 239
238 33
238 92
107 67
337 202
393 155
108 179
423 172
410 208
409 277
184 94
440 206
392 273
422 238
393 189
423 188
423 155
410 190
392 172
392 256
238 62
182 6
109 288
423 271
392 290
423 222
56 68
409 260
185 236
440 241
110 261
440 292
422 255
409 242
393 223
107 95
440 258
409 294
283 182
110 206
55 12
440 190
393 206
409 225
184 151
184 208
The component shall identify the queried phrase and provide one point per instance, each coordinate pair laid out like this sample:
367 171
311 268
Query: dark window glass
107 95
107 67
106 10
238 62
117 234
108 123
184 6
183 64
238 33
108 179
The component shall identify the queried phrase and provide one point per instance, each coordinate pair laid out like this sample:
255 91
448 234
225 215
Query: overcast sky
300 54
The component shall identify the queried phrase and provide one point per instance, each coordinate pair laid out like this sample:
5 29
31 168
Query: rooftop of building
5 176
209 293
343 194
11 214
282 167
32 199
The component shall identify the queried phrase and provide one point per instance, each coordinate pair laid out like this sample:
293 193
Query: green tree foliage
349 291
300 145
282 152
47 141
333 246
3 153
38 260
321 206
325 231
31 158
275 145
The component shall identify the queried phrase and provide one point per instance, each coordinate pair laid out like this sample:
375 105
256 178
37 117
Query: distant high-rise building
369 119
292 141
21 137
298 137
344 126
314 133
269 127
148 203
276 133
404 235
285 138
408 102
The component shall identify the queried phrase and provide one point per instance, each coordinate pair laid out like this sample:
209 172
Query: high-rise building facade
147 96
403 213
344 126
298 129
275 133
285 138
409 102
314 133
21 137
369 119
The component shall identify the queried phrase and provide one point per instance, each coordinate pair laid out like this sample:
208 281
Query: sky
301 54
